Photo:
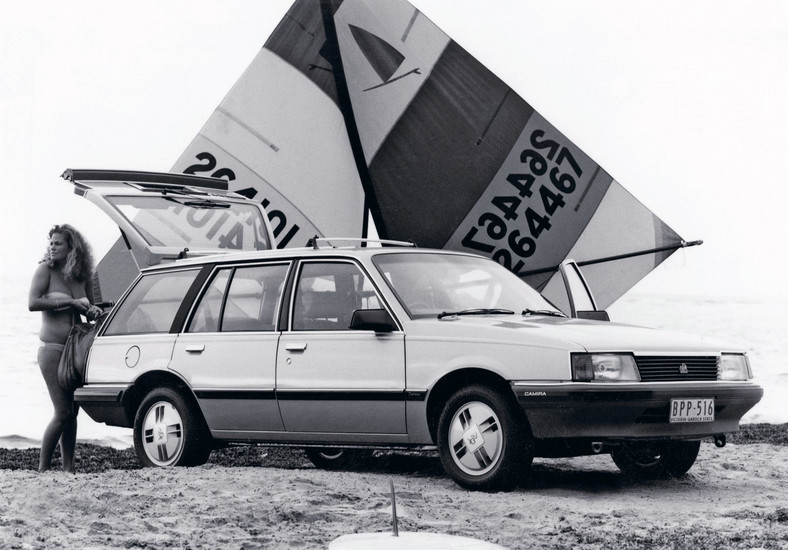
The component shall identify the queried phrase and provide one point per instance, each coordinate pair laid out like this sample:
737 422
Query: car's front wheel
169 431
336 459
657 459
482 440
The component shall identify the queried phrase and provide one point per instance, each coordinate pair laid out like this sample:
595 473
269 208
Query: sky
685 103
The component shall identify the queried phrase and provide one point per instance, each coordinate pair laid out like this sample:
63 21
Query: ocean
755 325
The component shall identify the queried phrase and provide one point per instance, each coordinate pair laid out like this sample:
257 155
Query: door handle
300 346
195 349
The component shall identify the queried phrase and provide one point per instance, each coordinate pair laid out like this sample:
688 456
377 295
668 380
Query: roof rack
353 242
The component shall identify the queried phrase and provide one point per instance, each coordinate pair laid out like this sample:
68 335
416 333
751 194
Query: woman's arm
39 286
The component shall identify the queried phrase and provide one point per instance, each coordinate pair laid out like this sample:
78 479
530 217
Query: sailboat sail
367 100
280 138
459 160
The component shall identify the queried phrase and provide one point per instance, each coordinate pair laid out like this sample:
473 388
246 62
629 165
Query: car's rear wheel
482 440
336 459
656 459
170 431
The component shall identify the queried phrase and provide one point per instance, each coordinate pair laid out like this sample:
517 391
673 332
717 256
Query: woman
60 289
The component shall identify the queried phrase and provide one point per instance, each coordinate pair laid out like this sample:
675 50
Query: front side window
241 299
328 293
430 284
151 305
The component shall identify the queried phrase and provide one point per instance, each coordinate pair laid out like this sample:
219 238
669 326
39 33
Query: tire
482 440
656 459
329 458
170 431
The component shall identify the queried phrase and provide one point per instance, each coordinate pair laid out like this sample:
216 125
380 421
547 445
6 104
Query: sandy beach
255 497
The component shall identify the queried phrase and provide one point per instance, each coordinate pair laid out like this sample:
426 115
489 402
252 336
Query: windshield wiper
549 312
477 311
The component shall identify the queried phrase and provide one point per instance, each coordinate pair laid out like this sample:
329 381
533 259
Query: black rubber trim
340 395
235 394
191 295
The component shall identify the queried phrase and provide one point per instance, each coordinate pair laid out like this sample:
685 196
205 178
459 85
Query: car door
227 352
329 378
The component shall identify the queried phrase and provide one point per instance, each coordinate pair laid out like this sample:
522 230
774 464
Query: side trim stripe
235 394
314 395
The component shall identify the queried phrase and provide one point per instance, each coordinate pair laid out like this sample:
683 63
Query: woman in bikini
60 289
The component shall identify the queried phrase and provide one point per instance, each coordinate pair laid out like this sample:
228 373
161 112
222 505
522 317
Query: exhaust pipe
596 447
719 440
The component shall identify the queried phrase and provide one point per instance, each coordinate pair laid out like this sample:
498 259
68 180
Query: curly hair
79 261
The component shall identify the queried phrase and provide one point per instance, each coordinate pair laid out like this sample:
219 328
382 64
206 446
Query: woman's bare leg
68 441
63 425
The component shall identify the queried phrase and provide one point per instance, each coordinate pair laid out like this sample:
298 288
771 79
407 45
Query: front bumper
105 403
630 411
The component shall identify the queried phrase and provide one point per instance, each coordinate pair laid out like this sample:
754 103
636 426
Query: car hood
571 334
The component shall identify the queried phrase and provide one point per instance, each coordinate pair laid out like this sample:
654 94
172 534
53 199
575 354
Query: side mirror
593 315
378 320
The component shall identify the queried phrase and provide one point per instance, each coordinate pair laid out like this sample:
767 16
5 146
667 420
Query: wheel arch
156 379
453 381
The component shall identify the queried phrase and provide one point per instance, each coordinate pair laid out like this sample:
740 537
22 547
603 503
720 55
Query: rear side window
209 311
241 299
151 305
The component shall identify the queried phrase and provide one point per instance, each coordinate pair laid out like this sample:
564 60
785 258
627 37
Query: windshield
185 222
430 284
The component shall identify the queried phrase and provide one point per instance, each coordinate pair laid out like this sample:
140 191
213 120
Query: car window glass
152 304
208 223
206 316
428 284
253 298
327 295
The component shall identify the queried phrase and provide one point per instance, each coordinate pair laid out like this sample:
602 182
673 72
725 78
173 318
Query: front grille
669 368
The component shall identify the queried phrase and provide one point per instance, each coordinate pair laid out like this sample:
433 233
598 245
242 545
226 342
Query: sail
354 102
279 137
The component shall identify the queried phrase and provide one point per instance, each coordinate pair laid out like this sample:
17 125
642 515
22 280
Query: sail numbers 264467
546 161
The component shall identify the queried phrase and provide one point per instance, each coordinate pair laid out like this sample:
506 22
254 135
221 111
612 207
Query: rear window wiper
549 312
477 311
203 203
206 204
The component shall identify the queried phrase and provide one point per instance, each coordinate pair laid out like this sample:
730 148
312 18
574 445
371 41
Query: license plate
691 410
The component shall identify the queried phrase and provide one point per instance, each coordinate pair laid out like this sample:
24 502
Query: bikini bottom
53 346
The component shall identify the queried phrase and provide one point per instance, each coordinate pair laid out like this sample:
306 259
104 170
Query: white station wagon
340 348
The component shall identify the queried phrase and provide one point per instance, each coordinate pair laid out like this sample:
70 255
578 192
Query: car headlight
604 367
734 366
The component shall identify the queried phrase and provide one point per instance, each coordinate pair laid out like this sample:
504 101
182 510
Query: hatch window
190 222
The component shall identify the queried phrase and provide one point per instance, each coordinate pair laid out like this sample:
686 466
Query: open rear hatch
163 217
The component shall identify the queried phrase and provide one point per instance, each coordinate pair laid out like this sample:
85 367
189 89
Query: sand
733 497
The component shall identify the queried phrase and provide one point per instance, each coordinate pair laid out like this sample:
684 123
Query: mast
331 52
